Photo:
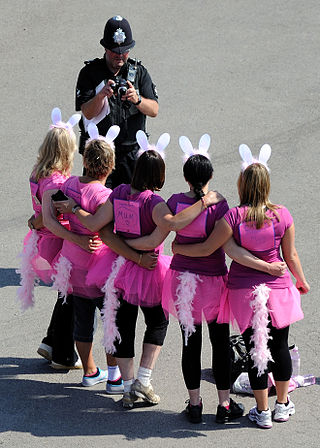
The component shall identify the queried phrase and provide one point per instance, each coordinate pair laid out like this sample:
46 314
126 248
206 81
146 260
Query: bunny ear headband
189 150
161 145
58 123
112 134
248 159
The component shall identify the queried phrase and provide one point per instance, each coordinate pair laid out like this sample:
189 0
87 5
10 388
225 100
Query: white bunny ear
186 145
112 133
265 153
56 115
163 142
142 140
93 131
246 154
204 143
74 119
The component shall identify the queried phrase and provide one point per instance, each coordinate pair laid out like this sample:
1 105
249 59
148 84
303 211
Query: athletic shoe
57 366
224 415
115 387
194 412
45 351
100 377
282 411
145 392
262 419
128 400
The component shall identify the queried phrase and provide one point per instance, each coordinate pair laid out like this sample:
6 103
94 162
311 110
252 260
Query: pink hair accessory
111 135
58 123
248 159
160 146
189 150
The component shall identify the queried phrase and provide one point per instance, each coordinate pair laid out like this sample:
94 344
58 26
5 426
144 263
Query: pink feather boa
28 277
260 353
185 293
110 306
61 279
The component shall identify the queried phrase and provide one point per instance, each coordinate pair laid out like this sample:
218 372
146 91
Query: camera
120 87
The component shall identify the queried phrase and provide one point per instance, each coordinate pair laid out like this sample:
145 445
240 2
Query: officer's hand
107 89
131 94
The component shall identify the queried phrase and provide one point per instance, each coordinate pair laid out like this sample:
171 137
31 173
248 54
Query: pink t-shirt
89 196
264 243
133 212
197 232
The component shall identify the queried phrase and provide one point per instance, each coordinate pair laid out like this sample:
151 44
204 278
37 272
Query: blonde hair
98 158
254 189
55 154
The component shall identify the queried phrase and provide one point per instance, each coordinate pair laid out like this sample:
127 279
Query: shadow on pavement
63 409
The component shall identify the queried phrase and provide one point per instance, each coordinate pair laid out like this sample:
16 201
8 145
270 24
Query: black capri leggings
126 319
191 356
281 367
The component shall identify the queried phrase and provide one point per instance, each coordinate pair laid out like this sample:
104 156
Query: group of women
130 270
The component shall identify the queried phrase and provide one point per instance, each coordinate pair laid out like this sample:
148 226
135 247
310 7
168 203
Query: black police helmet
117 35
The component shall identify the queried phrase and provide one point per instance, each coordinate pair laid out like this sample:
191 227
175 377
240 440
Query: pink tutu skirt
139 286
78 262
100 267
48 246
284 307
209 292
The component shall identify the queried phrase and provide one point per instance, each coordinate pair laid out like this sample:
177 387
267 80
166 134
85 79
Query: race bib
127 216
257 239
197 228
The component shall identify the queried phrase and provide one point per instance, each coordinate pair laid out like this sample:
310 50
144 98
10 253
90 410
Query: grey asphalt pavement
243 71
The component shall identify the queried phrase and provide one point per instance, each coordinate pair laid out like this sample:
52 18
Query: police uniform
123 113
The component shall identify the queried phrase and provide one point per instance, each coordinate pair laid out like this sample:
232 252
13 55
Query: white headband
58 123
189 150
248 159
112 134
161 145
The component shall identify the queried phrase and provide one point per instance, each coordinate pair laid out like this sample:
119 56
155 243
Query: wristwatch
139 100
75 208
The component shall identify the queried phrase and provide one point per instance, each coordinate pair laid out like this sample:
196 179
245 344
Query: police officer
116 90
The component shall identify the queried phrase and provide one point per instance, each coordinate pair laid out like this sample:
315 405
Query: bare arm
148 242
291 257
51 223
246 258
221 233
147 106
163 217
94 223
114 242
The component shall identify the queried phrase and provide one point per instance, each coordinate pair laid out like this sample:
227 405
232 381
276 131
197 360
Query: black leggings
126 319
281 367
191 356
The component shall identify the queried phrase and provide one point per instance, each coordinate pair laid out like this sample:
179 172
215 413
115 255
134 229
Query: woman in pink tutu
262 305
194 287
136 211
41 246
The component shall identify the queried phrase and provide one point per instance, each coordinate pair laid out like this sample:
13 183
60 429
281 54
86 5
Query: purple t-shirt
89 196
264 243
197 232
133 212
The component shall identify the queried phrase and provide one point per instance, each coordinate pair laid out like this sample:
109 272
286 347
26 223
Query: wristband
75 208
139 101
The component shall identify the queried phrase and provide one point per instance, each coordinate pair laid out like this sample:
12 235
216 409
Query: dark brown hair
149 172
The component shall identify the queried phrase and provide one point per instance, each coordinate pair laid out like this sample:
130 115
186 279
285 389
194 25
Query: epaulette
90 61
134 61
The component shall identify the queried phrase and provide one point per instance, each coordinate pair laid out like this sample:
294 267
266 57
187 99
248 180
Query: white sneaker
262 419
45 351
282 412
100 377
57 366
